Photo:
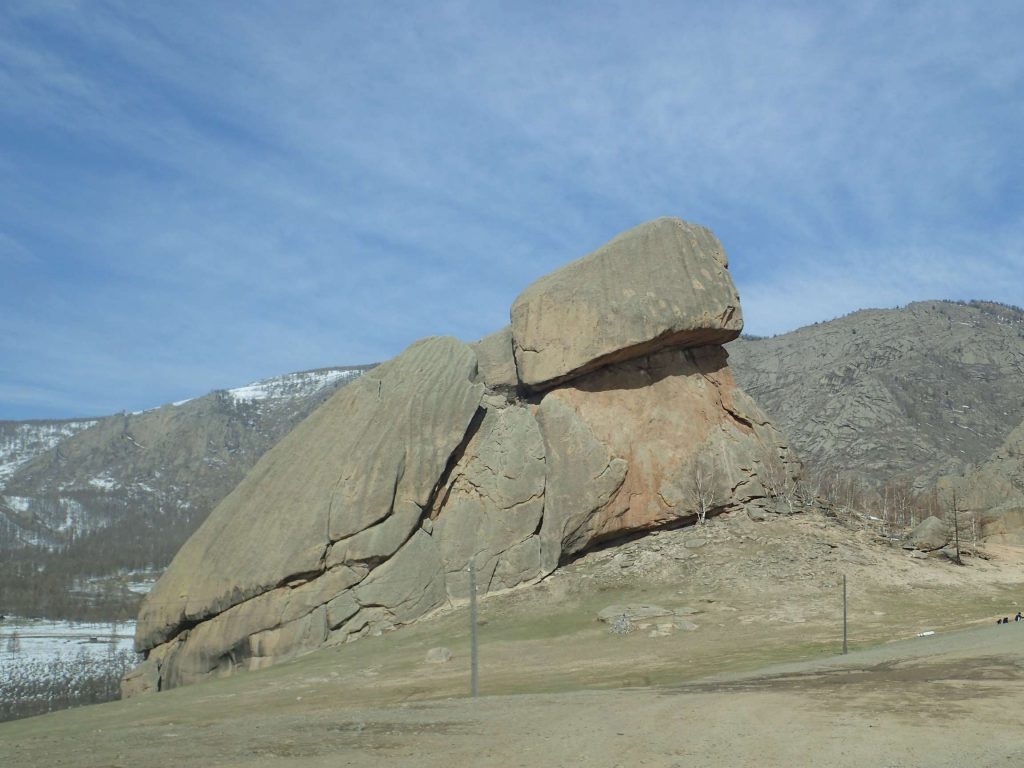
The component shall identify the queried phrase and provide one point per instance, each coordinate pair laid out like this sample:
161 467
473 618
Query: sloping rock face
367 456
369 514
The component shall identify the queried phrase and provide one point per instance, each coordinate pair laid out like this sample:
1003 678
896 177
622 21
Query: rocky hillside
22 441
995 491
906 394
90 498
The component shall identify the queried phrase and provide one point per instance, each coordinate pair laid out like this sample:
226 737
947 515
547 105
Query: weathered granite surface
661 284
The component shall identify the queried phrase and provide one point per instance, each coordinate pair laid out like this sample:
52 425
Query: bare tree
897 502
903 504
956 530
700 486
779 482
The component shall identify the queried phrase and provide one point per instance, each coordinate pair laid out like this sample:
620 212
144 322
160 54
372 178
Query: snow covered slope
22 441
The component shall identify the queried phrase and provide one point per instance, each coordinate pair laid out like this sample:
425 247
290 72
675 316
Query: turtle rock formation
606 407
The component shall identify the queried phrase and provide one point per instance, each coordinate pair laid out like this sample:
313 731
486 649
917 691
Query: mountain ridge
125 490
893 395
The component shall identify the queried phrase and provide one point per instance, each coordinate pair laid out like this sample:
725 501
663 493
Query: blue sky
194 194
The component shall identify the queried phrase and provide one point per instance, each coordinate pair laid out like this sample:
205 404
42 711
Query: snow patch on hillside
44 639
18 503
104 482
21 442
51 522
289 386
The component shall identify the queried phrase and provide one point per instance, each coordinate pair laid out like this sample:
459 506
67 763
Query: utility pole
845 650
474 675
956 531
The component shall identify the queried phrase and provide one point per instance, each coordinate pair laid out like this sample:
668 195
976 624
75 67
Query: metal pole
956 529
474 676
844 615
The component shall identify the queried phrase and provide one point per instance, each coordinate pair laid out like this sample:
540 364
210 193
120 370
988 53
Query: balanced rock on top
661 284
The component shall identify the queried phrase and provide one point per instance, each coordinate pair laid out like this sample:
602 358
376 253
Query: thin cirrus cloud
197 195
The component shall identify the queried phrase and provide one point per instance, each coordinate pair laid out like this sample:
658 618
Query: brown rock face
368 515
622 443
661 284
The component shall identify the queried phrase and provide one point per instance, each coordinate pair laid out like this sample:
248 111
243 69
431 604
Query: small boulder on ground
930 534
658 621
953 553
439 655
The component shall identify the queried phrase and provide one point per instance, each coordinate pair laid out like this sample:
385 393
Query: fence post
474 675
844 615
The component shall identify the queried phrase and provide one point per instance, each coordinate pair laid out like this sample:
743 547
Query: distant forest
74 580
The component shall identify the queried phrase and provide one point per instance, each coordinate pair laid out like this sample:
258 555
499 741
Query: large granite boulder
928 535
661 284
373 452
370 513
496 362
492 506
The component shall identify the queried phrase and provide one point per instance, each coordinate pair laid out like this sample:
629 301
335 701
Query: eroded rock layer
369 514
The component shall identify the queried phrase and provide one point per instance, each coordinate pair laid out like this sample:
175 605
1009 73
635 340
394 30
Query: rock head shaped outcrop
606 407
662 284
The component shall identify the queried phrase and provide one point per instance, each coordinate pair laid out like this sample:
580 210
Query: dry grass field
757 683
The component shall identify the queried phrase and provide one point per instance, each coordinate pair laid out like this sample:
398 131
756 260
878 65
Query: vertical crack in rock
454 459
494 502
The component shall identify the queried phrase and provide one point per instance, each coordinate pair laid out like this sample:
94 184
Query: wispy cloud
214 192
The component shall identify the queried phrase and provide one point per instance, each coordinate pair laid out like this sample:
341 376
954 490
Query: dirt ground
757 683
